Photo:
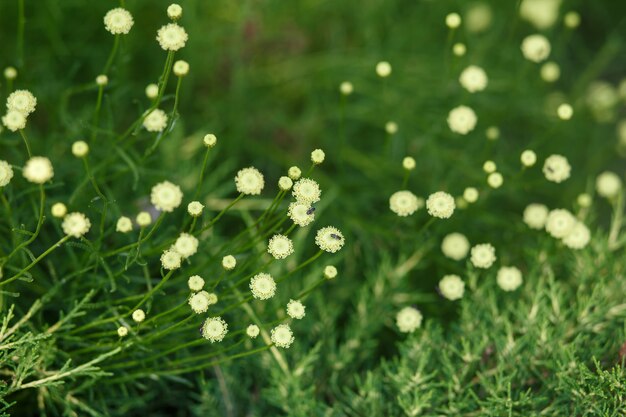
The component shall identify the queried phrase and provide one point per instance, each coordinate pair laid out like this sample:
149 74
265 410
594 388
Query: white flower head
155 121
528 158
346 88
440 204
214 329
186 245
14 120
483 255
229 262
495 180
253 331
75 225
122 331
408 163
462 120
143 219
409 319
540 13
210 140
608 184
263 286
571 19
492 133
249 181
6 173
195 283
391 128
560 223
383 69
280 246
565 111
453 20
455 246
294 173
22 101
509 278
282 336
166 196
489 167
556 168
285 183
181 68
578 237
296 310
139 315
301 214
124 225
172 37
199 302
470 194
305 190
330 272
195 208
58 210
536 48
550 72
404 203
10 73
535 216
459 49
329 239
152 91
170 259
80 149
317 156
102 80
452 287
38 170
174 11
473 79
118 21
584 200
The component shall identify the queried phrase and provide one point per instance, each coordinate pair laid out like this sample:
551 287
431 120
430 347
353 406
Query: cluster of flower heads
20 104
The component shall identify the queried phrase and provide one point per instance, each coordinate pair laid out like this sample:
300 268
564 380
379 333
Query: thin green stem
96 115
153 290
109 62
23 135
42 201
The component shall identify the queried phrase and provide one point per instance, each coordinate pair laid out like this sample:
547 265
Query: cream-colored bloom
455 246
75 225
22 101
540 13
214 329
453 20
102 80
118 21
346 88
152 91
383 69
301 214
58 210
489 167
478 17
565 111
263 286
608 184
210 140
38 170
509 278
556 168
571 20
294 173
6 173
174 11
186 245
459 49
330 272
550 72
139 315
409 319
229 262
528 158
170 259
560 223
195 283
535 216
578 237
317 156
495 180
280 246
10 73
584 200
155 121
80 148
181 68
473 79
306 191
452 287
143 219
122 331
536 48
285 183
470 194
408 163
124 225
195 208
253 331
391 128
483 255
404 203
249 181
172 37
462 120
14 120
199 302
166 196
329 239
440 204
296 310
282 336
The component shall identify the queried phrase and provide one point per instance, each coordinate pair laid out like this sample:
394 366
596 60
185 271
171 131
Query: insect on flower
310 211
335 236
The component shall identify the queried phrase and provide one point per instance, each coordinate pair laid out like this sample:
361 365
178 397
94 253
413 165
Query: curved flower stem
153 290
140 241
96 115
30 155
116 44
105 201
309 290
42 200
220 214
302 265
36 261
201 179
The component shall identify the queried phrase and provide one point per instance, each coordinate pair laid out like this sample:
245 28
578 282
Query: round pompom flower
509 278
459 49
391 128
565 111
560 223
152 91
166 196
307 191
38 170
249 181
329 239
122 331
263 286
535 216
143 219
346 88
75 225
181 68
58 210
172 37
253 331
556 168
6 173
584 200
578 238
483 255
118 21
294 173
536 48
408 163
452 287
462 120
608 184
186 245
408 319
285 183
528 158
80 148
301 214
440 204
229 262
102 80
124 225
453 20
155 121
10 73
199 302
170 259
383 69
473 79
330 272
195 208
296 310
209 140
214 329
280 246
22 101
282 336
495 180
139 315
195 283
14 120
404 203
455 246
470 194
174 11
550 72
317 156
